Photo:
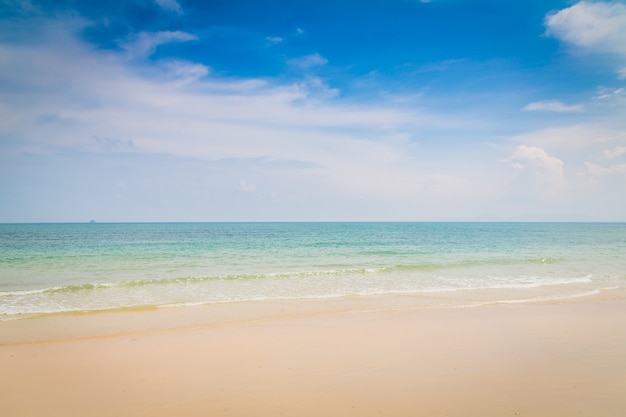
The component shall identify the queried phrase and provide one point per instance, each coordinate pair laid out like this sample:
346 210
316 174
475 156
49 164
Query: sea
90 267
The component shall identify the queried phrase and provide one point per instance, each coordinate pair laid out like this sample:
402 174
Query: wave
462 302
458 273
190 280
313 284
479 262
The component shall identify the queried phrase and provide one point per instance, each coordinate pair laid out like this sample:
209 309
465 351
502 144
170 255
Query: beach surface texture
346 357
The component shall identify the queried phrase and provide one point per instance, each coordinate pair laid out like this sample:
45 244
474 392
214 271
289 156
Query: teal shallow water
47 268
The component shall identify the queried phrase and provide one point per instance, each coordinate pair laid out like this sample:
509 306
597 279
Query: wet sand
365 357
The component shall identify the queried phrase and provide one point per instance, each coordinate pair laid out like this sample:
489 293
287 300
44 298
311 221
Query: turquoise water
46 268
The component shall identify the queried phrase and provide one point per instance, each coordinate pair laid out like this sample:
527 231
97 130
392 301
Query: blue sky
397 110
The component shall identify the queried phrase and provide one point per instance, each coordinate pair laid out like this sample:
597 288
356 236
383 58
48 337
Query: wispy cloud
145 44
182 111
322 148
605 93
302 137
554 106
274 40
308 61
597 171
182 71
170 5
575 138
246 187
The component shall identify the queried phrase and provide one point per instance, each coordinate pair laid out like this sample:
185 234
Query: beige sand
316 358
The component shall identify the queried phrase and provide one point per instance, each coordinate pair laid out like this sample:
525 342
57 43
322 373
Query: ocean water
49 268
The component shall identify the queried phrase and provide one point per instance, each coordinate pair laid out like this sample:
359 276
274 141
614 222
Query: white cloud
308 61
144 44
183 71
615 153
274 39
177 109
318 88
246 187
592 27
554 106
575 144
170 5
605 93
600 171
598 26
530 157
575 138
59 94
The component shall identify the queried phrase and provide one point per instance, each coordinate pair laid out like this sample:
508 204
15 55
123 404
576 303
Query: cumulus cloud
615 153
536 159
554 106
308 61
596 26
575 144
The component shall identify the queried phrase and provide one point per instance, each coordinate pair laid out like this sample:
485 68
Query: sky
327 110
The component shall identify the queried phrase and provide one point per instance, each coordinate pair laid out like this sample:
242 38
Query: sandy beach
344 357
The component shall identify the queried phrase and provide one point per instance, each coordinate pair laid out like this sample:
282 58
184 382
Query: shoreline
352 357
445 298
83 324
